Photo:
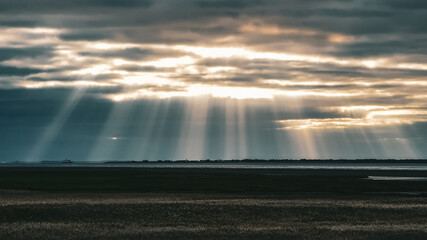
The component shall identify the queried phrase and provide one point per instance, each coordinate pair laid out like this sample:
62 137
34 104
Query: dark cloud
31 52
15 71
405 4
40 79
198 21
51 6
113 3
19 23
335 71
239 4
135 54
98 77
354 13
314 87
381 48
137 68
86 36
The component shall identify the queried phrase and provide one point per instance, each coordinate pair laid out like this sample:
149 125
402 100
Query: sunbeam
235 129
311 82
213 119
54 128
111 135
193 131
149 133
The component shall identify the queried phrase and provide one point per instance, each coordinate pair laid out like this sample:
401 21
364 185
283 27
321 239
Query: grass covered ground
206 204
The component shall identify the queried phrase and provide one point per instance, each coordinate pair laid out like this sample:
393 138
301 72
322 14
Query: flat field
98 203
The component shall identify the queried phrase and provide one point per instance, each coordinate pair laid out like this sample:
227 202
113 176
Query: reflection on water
392 178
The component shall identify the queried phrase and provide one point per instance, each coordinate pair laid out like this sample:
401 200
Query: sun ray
230 131
53 129
149 132
193 131
241 129
106 145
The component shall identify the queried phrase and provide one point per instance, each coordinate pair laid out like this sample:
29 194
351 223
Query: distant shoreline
232 161
364 173
277 161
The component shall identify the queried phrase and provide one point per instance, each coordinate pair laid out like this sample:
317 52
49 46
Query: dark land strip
129 203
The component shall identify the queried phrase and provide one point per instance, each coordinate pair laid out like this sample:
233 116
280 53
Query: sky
96 80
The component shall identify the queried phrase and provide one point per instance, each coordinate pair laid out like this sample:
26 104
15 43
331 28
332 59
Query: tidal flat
184 204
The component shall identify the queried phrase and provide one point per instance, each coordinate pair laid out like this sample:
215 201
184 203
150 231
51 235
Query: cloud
238 4
86 36
14 71
328 54
31 52
409 4
136 68
135 53
381 48
50 6
19 23
374 118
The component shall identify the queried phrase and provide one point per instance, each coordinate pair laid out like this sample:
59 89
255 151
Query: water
393 178
238 165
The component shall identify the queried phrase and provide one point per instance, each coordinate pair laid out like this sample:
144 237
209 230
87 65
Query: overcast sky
221 79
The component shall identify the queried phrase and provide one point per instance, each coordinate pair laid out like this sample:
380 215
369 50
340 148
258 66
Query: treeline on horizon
275 161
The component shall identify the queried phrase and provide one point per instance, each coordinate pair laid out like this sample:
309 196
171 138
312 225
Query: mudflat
167 204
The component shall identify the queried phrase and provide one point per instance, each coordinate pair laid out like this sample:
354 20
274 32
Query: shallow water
394 178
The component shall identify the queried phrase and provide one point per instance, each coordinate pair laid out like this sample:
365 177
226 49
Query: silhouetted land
424 161
242 181
141 203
